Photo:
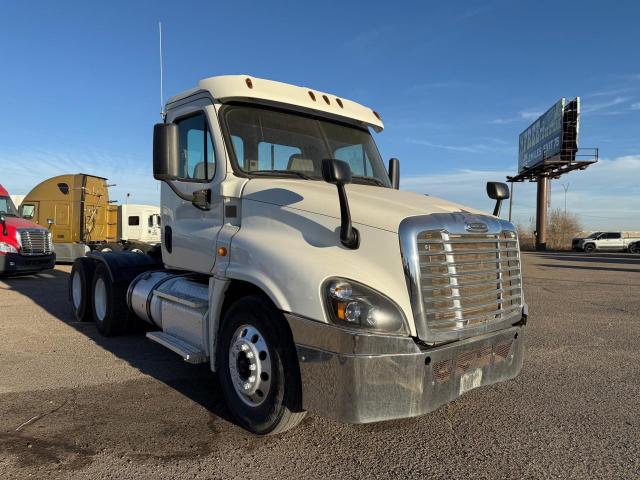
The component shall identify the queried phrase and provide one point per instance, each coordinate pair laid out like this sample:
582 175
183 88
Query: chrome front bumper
360 378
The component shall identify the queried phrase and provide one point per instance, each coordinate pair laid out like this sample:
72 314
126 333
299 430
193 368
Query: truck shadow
581 267
196 382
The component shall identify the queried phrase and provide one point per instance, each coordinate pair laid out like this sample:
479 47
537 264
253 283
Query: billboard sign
542 140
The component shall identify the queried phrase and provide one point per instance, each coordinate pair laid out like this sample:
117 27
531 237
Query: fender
125 266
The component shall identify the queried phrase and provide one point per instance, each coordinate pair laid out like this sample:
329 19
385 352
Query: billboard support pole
541 212
510 201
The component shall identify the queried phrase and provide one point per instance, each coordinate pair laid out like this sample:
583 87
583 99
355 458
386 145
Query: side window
28 211
133 221
357 159
613 235
197 155
150 221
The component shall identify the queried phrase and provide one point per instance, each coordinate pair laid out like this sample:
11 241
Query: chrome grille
461 282
35 242
468 279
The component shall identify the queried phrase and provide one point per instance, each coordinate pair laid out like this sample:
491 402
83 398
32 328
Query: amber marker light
222 251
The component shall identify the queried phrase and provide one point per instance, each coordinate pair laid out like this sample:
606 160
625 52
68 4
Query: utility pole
566 187
510 201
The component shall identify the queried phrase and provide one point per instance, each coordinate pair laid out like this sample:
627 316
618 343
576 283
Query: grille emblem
477 227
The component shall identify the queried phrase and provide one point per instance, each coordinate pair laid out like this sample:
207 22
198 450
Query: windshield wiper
370 180
292 173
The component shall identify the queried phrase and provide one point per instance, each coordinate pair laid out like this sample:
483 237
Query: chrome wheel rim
76 290
250 365
100 299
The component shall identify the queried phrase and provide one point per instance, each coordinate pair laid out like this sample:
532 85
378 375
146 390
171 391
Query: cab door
188 233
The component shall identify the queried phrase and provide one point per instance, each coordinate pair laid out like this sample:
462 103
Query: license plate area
470 380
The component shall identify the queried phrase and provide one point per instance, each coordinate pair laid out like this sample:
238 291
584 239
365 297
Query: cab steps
189 353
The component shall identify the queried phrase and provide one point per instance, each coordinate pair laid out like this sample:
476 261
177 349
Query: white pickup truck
607 242
294 266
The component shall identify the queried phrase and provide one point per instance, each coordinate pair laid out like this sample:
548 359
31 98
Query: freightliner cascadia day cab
24 246
81 217
293 265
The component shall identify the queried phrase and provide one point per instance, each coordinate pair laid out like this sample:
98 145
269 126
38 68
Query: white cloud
23 171
605 195
635 106
495 146
595 107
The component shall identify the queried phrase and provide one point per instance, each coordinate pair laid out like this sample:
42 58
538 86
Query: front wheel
634 248
589 248
258 367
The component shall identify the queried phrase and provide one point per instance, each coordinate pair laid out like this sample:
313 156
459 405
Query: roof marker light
249 82
313 97
377 115
326 99
339 102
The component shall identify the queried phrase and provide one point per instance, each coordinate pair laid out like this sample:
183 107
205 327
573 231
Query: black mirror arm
348 235
200 198
496 209
4 226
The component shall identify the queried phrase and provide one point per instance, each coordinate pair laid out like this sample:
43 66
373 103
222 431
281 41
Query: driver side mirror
338 173
166 152
166 164
497 191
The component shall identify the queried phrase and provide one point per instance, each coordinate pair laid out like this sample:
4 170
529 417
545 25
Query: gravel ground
76 405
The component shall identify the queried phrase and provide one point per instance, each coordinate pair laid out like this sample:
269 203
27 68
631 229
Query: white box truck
293 265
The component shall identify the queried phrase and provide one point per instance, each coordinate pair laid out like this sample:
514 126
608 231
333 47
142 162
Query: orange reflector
341 311
222 251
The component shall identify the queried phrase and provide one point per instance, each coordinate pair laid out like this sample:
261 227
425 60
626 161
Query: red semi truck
25 247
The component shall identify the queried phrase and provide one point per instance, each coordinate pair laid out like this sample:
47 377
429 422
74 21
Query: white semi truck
293 265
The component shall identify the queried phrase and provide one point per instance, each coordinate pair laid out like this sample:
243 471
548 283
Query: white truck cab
294 266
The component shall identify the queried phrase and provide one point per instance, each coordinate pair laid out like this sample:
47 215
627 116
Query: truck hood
370 205
13 224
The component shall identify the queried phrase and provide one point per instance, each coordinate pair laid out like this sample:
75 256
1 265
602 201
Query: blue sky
455 84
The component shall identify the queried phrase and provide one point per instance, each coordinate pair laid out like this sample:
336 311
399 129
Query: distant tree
562 228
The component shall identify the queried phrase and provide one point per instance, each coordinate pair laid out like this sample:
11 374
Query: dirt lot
76 405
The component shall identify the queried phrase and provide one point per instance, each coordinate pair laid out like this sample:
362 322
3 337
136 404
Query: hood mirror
338 173
497 191
4 225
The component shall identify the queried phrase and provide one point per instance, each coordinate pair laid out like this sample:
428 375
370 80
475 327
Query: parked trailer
82 218
374 305
24 246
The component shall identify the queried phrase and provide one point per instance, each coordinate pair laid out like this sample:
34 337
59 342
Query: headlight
7 248
352 304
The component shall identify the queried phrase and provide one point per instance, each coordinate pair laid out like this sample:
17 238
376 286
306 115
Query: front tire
109 305
634 248
258 366
80 285
589 248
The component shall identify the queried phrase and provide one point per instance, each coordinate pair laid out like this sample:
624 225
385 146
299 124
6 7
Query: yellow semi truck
77 210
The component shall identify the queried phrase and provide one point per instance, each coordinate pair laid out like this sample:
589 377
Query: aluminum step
188 352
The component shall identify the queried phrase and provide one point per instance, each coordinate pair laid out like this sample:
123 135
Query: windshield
271 142
7 207
595 235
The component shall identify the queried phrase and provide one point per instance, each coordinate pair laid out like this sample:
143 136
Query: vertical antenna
163 114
